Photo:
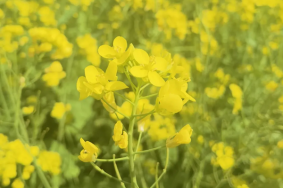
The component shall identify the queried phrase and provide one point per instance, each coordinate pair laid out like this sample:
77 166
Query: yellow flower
50 162
200 139
148 67
117 52
271 86
237 94
280 144
59 110
27 171
53 74
224 155
182 137
96 84
120 137
172 96
28 110
17 183
89 153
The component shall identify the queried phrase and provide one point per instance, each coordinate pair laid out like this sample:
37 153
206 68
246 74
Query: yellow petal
138 71
160 64
123 143
82 88
91 148
107 51
155 79
120 44
169 104
116 85
141 56
182 137
125 55
91 74
117 131
111 71
82 142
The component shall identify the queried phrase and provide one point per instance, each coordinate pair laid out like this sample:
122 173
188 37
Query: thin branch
115 109
117 172
106 174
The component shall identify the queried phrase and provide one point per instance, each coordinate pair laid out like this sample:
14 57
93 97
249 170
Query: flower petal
82 88
120 43
160 64
116 85
125 55
155 79
141 56
107 51
118 128
82 142
138 71
111 71
169 104
91 74
91 148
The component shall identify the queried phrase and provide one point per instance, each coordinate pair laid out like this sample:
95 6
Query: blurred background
231 49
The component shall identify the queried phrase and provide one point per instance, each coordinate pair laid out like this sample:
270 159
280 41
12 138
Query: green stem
130 138
156 175
105 173
125 98
149 150
115 109
164 170
130 80
113 160
138 144
117 172
42 176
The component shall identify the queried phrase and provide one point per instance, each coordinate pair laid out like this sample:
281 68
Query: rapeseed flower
182 137
172 96
53 74
120 137
59 109
96 84
49 162
89 153
148 67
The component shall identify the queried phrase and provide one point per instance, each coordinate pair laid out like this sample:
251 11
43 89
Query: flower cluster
15 153
224 156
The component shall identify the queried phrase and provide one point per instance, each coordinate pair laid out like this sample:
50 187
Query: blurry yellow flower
28 110
200 139
47 16
224 155
280 144
120 137
271 86
265 51
2 14
53 74
237 94
27 172
89 46
182 137
148 67
89 153
17 183
59 109
199 65
50 162
243 186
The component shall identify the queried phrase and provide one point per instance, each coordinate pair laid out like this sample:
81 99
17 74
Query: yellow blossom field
141 93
